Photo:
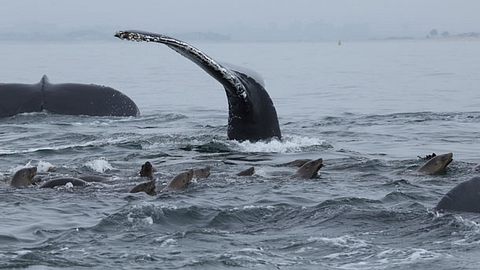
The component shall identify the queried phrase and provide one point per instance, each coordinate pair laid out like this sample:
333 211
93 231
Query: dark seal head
310 169
23 177
147 187
248 172
436 164
201 173
180 182
147 170
464 197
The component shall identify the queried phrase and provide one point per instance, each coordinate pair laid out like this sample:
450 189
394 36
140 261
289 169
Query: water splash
287 145
44 166
99 165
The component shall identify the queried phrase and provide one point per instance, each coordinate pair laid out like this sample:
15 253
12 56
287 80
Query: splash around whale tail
252 115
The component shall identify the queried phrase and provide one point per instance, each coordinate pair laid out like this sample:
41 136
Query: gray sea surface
367 108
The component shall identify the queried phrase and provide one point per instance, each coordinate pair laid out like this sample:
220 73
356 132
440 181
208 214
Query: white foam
406 256
342 254
69 185
168 242
148 220
288 144
470 232
16 168
44 166
268 207
468 223
99 165
392 258
130 218
344 241
23 252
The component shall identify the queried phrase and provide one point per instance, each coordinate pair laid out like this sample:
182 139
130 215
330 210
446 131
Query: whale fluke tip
119 34
131 35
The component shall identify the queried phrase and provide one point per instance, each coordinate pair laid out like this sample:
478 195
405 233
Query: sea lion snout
310 169
437 164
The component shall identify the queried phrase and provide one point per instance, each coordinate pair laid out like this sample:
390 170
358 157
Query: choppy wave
93 143
367 209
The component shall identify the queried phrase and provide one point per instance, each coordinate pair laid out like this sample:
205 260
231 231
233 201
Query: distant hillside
52 34
435 34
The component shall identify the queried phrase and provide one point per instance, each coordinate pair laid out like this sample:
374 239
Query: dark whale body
252 115
62 181
66 98
464 197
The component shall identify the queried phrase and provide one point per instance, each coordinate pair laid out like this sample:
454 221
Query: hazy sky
377 17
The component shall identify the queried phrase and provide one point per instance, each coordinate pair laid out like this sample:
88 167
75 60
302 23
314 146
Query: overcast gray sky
369 18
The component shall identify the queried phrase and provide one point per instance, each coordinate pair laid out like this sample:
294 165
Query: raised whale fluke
252 115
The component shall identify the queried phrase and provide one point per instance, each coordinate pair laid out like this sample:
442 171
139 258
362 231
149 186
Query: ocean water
367 108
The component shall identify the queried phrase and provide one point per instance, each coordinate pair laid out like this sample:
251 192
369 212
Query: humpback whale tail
252 115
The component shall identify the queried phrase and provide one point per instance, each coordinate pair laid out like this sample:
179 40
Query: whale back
463 197
61 181
87 99
67 98
18 98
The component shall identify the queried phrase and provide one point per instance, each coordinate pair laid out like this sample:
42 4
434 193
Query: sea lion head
437 164
148 187
23 177
202 172
147 170
310 169
181 181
